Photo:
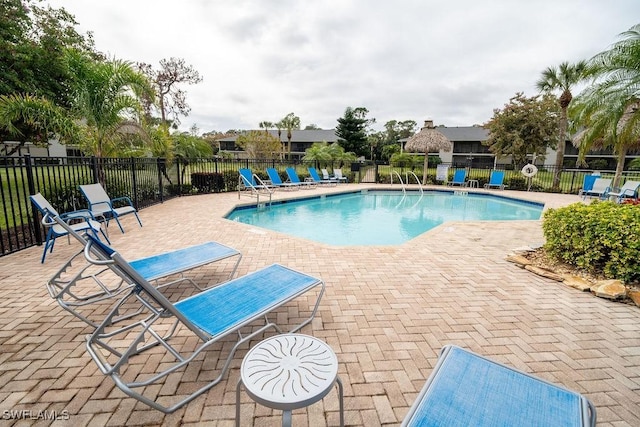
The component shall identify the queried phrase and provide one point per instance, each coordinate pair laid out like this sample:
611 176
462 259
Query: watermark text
29 414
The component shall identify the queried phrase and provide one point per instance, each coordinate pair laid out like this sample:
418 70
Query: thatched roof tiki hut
428 140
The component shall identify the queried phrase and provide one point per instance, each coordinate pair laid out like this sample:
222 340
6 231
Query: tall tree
290 122
106 98
563 79
265 125
172 101
34 44
352 130
609 109
259 145
524 126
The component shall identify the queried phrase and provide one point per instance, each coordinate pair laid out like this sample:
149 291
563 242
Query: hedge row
599 237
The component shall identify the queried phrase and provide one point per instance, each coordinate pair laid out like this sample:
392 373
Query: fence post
179 177
161 167
134 182
31 183
94 169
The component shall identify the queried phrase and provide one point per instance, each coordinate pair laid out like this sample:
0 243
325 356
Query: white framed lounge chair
601 186
240 307
325 174
628 190
337 174
468 389
313 173
293 178
276 181
251 181
496 180
102 206
78 285
459 178
76 221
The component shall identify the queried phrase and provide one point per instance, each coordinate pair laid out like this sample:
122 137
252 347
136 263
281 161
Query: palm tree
290 122
319 152
21 112
106 99
609 110
266 126
562 78
611 124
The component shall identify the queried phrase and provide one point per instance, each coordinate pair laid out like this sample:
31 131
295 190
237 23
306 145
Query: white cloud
450 61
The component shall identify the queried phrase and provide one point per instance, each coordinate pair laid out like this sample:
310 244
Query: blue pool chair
459 178
276 181
293 178
468 389
251 181
102 206
313 173
77 285
587 183
77 221
239 308
496 180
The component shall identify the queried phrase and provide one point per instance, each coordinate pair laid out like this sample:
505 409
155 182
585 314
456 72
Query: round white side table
288 372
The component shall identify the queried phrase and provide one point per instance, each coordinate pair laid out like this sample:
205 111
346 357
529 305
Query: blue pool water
381 217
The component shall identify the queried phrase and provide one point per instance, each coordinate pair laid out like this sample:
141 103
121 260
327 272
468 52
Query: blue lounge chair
628 190
468 389
82 220
313 173
293 178
203 320
496 180
459 178
101 206
249 180
587 183
276 181
601 186
77 284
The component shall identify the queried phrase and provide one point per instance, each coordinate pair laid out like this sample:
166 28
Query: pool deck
387 312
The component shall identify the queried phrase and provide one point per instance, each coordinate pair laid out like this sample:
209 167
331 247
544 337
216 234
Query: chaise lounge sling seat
200 321
79 284
466 389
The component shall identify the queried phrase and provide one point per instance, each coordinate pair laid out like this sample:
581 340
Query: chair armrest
125 198
80 213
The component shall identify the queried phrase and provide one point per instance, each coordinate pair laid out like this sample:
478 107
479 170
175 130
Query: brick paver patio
387 312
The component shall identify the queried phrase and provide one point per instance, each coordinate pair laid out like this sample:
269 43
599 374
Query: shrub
207 182
600 237
403 160
517 183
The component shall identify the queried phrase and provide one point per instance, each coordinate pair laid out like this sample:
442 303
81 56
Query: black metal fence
148 181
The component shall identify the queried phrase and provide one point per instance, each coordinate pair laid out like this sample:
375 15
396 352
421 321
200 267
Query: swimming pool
381 217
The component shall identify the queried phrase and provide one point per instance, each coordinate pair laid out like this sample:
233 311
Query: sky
452 62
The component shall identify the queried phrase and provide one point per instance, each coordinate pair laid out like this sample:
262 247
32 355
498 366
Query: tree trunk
426 163
560 150
620 167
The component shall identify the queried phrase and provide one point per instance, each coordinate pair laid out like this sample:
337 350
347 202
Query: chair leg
138 218
119 225
48 245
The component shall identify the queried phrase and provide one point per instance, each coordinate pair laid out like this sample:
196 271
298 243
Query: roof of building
311 135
